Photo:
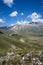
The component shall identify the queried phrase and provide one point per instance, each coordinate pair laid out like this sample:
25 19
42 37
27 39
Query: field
20 44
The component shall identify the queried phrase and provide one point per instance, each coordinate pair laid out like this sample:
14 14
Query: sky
20 11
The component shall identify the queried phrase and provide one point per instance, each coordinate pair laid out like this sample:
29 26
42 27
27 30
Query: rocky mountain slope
21 44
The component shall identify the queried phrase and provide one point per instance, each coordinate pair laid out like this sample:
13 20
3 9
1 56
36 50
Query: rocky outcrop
12 58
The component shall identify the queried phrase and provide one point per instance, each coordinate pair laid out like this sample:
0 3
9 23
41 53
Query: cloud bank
22 13
14 13
9 3
35 17
1 20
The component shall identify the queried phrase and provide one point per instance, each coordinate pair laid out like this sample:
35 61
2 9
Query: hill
20 44
21 38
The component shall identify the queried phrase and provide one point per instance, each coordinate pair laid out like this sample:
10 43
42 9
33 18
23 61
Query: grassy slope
31 42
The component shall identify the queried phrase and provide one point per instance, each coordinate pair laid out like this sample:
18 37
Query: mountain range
25 36
24 28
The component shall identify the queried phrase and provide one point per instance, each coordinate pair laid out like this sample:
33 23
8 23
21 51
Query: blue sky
12 11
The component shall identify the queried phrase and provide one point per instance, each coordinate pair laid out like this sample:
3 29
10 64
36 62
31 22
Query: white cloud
12 24
1 20
8 2
35 17
18 22
14 14
37 20
25 22
22 13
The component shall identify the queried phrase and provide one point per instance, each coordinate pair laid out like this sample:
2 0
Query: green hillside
20 44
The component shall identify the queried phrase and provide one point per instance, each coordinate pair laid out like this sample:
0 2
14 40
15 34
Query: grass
31 43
